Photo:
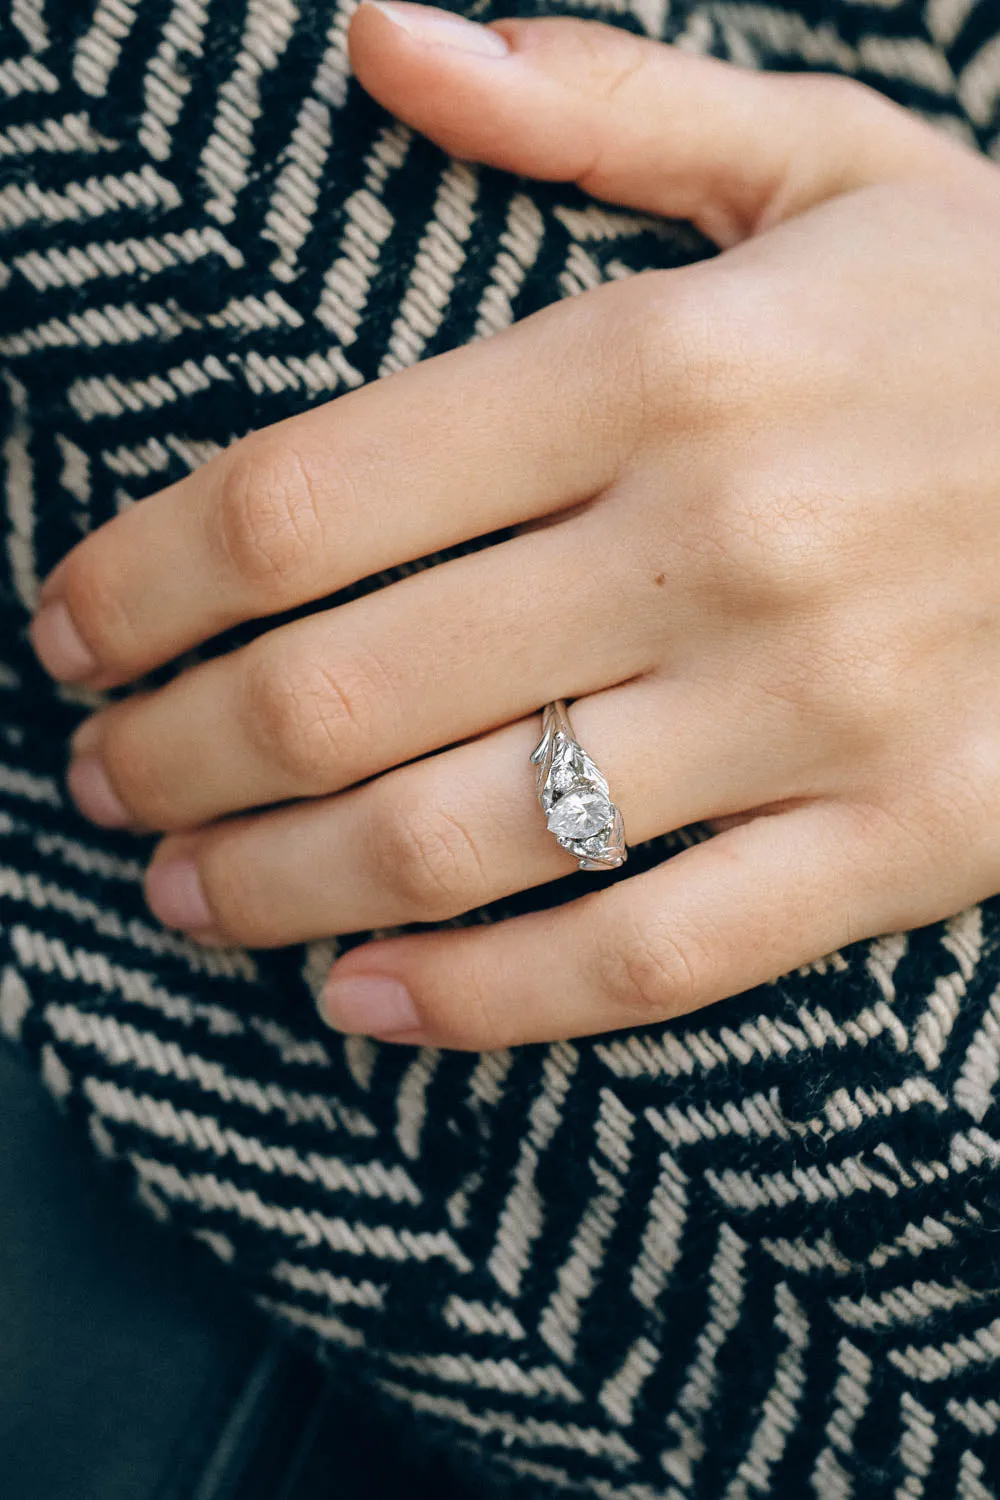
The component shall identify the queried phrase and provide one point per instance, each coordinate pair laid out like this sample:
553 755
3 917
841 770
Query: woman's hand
770 578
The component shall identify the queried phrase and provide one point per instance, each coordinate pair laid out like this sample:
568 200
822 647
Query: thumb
636 122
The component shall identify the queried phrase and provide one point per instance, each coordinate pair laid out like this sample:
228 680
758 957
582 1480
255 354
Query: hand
769 580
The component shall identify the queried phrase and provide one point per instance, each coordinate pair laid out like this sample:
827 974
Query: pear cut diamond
579 815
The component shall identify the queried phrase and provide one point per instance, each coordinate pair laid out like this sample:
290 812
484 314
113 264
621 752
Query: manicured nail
58 644
174 892
94 795
439 28
368 1005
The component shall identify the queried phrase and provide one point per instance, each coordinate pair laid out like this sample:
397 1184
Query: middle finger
396 471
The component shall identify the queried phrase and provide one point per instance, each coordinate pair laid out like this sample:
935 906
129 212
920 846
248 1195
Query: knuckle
877 134
267 521
427 859
839 97
309 723
846 684
765 551
618 74
961 795
688 373
605 62
648 974
858 683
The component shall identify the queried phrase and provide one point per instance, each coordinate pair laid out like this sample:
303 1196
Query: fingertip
175 893
368 23
87 736
369 1004
59 645
458 83
385 59
90 787
429 26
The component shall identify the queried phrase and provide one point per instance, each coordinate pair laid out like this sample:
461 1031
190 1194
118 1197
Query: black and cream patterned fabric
755 1252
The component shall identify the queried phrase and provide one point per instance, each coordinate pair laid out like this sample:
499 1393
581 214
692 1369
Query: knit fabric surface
753 1252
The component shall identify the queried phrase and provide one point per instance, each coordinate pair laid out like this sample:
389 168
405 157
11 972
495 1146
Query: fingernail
368 1005
58 644
94 795
439 28
86 736
210 938
175 895
51 585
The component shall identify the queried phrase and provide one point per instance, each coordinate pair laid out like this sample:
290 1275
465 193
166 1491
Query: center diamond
579 815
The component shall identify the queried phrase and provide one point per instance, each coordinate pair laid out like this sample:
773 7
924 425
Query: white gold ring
575 797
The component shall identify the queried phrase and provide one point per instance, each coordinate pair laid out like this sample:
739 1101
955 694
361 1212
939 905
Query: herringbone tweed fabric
756 1252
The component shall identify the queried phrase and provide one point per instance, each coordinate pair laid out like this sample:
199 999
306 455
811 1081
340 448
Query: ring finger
317 705
452 832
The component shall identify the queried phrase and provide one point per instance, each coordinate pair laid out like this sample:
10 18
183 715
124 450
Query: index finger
472 441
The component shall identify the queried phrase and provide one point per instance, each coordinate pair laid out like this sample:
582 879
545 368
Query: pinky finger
743 908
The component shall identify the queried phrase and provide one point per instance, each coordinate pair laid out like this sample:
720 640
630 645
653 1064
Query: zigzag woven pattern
752 1253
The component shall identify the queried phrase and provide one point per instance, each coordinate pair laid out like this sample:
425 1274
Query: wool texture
753 1252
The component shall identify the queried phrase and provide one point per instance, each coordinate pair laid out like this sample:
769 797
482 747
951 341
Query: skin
769 484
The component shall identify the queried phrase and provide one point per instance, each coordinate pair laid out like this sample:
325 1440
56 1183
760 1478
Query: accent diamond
579 815
562 776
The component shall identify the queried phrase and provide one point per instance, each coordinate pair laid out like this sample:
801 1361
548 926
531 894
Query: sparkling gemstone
579 815
596 845
561 777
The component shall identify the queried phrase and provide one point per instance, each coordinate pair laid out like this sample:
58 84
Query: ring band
575 797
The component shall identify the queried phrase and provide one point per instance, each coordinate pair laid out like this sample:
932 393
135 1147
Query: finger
333 699
457 830
470 442
634 121
717 919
